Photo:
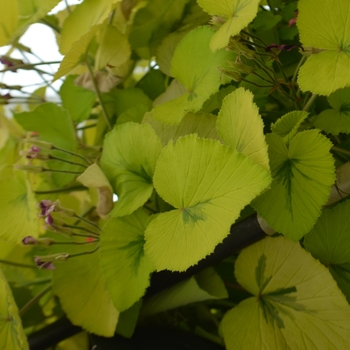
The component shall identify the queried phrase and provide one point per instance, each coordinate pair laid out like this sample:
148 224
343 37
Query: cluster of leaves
189 111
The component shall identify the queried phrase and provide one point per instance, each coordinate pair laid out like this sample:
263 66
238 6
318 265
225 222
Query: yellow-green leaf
12 336
208 184
296 303
236 14
241 127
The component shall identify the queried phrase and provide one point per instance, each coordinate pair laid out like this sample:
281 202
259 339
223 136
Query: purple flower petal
44 264
49 220
47 207
29 240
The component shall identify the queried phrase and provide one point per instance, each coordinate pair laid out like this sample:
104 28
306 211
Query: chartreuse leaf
200 123
196 68
208 184
18 213
235 13
337 119
166 49
287 126
11 332
85 16
241 127
129 98
324 26
55 126
76 54
16 15
328 242
71 93
129 156
153 22
93 177
126 267
9 13
80 285
33 10
303 174
205 285
296 302
114 49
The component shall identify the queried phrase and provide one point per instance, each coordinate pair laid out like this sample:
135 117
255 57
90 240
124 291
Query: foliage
176 119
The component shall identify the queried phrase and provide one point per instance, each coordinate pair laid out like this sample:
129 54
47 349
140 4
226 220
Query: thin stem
76 243
37 281
302 60
80 228
309 102
266 70
66 161
28 65
341 150
84 253
40 73
87 221
262 78
17 264
258 85
63 189
67 6
34 300
253 43
86 126
254 36
99 97
62 171
71 153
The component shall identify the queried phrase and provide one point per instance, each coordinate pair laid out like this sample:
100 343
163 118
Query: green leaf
71 93
337 119
9 13
236 14
18 213
200 123
153 22
328 242
266 20
80 285
17 15
55 126
287 126
84 17
134 114
129 156
126 267
303 174
114 49
128 98
208 184
77 53
241 127
205 285
166 49
196 68
128 320
324 26
296 302
12 335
